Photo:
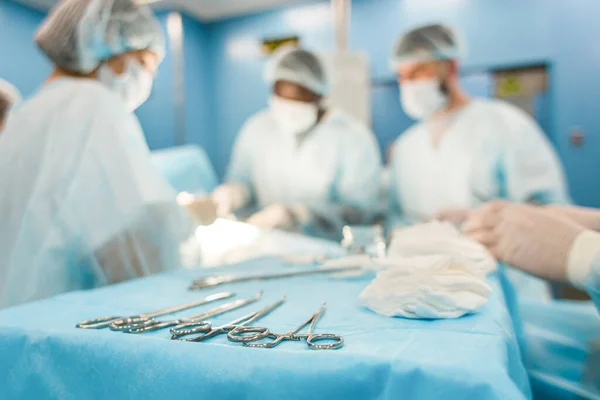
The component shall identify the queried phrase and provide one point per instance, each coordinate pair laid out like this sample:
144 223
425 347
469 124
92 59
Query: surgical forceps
236 335
150 324
205 327
211 281
103 322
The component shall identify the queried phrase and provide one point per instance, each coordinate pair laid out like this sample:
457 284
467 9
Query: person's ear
117 63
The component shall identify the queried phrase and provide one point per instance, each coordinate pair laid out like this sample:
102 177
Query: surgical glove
525 236
279 216
588 217
455 216
202 209
230 197
439 238
427 287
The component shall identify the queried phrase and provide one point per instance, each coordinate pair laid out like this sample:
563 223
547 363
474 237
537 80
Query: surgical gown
489 150
334 170
81 203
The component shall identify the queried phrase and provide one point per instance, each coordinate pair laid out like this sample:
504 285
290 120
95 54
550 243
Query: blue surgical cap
79 34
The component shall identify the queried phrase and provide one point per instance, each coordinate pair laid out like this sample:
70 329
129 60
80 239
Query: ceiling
203 9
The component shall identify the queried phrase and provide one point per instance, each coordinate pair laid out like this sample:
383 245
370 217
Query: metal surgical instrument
150 324
211 281
236 335
208 331
103 322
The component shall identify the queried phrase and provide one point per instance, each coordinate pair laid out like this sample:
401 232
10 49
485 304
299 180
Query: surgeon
462 151
561 244
304 165
9 96
81 204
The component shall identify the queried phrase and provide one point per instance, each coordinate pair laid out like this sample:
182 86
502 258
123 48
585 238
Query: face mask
133 85
422 98
293 117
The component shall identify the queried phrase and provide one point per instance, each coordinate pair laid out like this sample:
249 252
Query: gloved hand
275 216
280 216
455 216
588 217
202 209
230 197
525 236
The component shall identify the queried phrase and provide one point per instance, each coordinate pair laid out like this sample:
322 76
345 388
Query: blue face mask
134 85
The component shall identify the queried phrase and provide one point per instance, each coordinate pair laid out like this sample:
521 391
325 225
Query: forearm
587 217
148 244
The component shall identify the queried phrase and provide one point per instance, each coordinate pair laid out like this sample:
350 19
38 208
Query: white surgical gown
81 204
334 169
489 150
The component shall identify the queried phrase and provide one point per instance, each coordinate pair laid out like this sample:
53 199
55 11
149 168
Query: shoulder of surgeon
87 99
260 123
499 113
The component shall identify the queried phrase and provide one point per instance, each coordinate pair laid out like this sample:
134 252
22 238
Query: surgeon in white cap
462 150
303 165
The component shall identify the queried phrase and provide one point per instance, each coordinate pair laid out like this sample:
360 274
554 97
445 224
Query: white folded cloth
437 238
427 287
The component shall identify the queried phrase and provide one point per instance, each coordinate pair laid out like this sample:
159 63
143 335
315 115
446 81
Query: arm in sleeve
593 282
128 217
355 196
395 215
239 170
533 170
358 183
583 269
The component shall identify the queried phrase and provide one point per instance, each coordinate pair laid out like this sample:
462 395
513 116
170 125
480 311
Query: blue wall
563 33
20 61
200 128
576 94
157 115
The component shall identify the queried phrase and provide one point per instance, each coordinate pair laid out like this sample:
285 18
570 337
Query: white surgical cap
9 93
298 66
427 43
79 34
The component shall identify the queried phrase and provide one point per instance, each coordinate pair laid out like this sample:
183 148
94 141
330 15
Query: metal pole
341 12
175 33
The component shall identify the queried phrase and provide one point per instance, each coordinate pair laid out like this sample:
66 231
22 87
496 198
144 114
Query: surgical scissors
103 322
150 324
210 281
205 327
311 338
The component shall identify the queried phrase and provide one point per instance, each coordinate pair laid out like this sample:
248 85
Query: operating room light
309 17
